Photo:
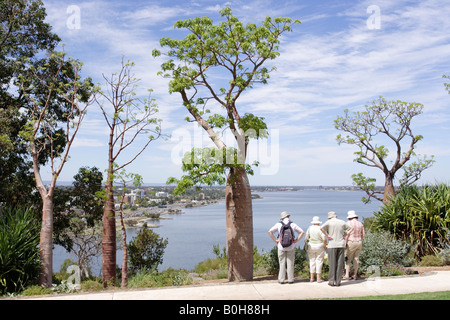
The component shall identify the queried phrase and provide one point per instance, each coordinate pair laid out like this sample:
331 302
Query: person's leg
347 263
319 263
290 255
356 259
282 261
332 262
350 254
312 262
339 265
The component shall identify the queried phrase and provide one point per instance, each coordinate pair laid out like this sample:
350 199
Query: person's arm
326 234
299 237
324 241
273 237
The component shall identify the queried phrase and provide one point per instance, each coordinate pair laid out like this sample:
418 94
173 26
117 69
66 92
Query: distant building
134 195
161 194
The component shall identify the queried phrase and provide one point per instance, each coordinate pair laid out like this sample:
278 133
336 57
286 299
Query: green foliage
152 278
299 261
430 261
145 251
447 85
36 290
418 215
24 37
19 253
394 269
237 50
381 248
445 256
87 185
207 166
229 44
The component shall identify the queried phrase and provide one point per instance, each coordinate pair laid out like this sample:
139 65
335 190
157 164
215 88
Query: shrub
380 248
153 278
394 269
36 290
430 261
92 285
274 265
445 256
145 251
418 215
19 253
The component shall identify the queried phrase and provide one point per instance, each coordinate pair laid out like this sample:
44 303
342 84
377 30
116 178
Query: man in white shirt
286 255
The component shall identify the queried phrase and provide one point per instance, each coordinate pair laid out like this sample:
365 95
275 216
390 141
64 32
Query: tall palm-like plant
420 216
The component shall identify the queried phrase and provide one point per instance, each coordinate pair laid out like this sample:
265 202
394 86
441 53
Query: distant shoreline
138 220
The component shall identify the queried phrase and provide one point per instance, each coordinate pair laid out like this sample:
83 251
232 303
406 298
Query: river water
192 235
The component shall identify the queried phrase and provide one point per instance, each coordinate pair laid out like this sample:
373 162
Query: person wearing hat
354 241
316 246
334 229
286 255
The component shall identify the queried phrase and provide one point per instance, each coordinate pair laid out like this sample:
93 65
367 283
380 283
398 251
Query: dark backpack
286 234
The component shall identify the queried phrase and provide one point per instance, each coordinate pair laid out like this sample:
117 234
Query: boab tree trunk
239 221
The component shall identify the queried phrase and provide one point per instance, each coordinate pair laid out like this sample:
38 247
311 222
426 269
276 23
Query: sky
343 55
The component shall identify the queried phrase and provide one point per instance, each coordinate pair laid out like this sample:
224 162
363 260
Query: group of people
340 239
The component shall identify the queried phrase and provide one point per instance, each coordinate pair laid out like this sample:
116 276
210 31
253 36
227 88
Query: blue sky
343 55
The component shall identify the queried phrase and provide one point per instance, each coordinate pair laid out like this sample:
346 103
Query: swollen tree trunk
109 239
388 187
46 242
239 221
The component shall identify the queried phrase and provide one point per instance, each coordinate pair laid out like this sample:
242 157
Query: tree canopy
207 54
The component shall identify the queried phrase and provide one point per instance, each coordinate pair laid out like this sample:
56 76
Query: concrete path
272 290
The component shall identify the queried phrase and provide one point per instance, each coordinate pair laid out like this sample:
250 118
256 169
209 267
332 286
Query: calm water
192 235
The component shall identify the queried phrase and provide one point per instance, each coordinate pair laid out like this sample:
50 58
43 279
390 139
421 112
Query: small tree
381 122
82 227
207 54
146 251
128 117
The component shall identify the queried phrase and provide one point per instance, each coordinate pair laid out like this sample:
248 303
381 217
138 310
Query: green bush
19 253
394 269
145 251
419 216
445 256
36 290
430 261
380 249
217 267
153 278
274 265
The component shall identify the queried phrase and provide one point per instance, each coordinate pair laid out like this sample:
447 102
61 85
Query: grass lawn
438 295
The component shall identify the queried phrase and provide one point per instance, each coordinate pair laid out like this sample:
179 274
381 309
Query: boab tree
128 117
56 103
381 122
205 56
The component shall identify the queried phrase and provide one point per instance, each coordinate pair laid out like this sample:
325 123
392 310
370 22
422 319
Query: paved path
272 290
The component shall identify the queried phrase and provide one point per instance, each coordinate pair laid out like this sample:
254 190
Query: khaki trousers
352 253
286 259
